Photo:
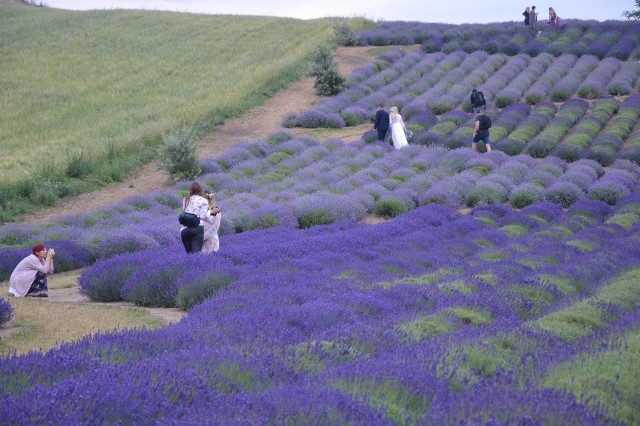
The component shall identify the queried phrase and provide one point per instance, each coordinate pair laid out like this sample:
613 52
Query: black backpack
485 122
478 98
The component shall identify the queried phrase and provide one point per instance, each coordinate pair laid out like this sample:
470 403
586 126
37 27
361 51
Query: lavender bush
333 320
6 311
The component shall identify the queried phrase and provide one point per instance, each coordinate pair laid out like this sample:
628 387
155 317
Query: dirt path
255 124
72 294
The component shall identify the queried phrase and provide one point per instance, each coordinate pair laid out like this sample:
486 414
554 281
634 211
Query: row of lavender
431 318
602 131
617 39
298 182
435 84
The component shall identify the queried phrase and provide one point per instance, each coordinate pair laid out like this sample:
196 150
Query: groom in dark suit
381 123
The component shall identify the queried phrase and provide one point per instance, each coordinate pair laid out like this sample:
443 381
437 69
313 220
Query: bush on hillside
179 156
345 35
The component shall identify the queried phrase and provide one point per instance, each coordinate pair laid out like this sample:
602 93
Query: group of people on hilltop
531 18
392 120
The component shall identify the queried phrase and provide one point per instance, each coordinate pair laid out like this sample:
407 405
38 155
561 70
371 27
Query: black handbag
189 220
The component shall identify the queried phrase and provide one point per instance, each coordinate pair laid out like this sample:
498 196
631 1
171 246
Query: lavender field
503 289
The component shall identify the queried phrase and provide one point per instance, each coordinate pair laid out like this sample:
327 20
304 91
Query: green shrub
440 108
345 35
525 195
329 82
589 91
317 216
79 166
533 98
559 95
351 118
503 101
179 155
488 193
391 207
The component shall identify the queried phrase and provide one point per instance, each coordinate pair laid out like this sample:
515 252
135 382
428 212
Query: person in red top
30 276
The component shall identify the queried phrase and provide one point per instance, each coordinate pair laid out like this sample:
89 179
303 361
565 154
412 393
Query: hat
37 248
393 109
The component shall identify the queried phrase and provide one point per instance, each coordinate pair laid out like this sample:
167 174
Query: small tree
178 155
329 82
345 34
633 14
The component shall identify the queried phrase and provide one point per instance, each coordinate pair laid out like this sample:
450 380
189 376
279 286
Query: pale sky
445 11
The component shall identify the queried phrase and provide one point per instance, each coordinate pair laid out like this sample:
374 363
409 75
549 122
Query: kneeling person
30 276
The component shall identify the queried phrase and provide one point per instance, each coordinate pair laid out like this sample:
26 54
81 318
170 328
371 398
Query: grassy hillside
88 93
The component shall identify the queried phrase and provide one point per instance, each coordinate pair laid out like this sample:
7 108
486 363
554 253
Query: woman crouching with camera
30 276
193 236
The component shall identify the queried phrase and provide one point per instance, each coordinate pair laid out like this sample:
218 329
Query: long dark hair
194 189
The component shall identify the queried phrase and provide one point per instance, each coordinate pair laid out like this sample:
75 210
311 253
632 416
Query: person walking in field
29 278
481 131
381 122
398 129
478 100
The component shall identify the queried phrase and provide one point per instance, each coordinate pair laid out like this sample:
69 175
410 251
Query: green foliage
179 154
328 82
610 377
345 34
633 14
317 216
428 326
525 195
351 118
390 207
485 194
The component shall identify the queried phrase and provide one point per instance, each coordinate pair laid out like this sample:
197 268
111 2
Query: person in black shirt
381 123
481 131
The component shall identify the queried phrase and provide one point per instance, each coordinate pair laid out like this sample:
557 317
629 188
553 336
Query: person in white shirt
30 276
211 241
193 237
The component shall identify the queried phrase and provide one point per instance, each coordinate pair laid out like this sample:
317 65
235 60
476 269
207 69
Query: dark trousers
382 133
39 285
192 239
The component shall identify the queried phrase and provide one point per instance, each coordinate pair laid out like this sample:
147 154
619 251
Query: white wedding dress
397 132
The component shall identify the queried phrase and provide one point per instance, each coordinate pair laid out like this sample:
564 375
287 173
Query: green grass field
86 95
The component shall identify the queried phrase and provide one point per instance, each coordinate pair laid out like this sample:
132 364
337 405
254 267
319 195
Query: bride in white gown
397 129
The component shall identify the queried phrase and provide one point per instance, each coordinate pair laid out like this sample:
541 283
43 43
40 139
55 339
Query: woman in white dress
211 241
397 129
